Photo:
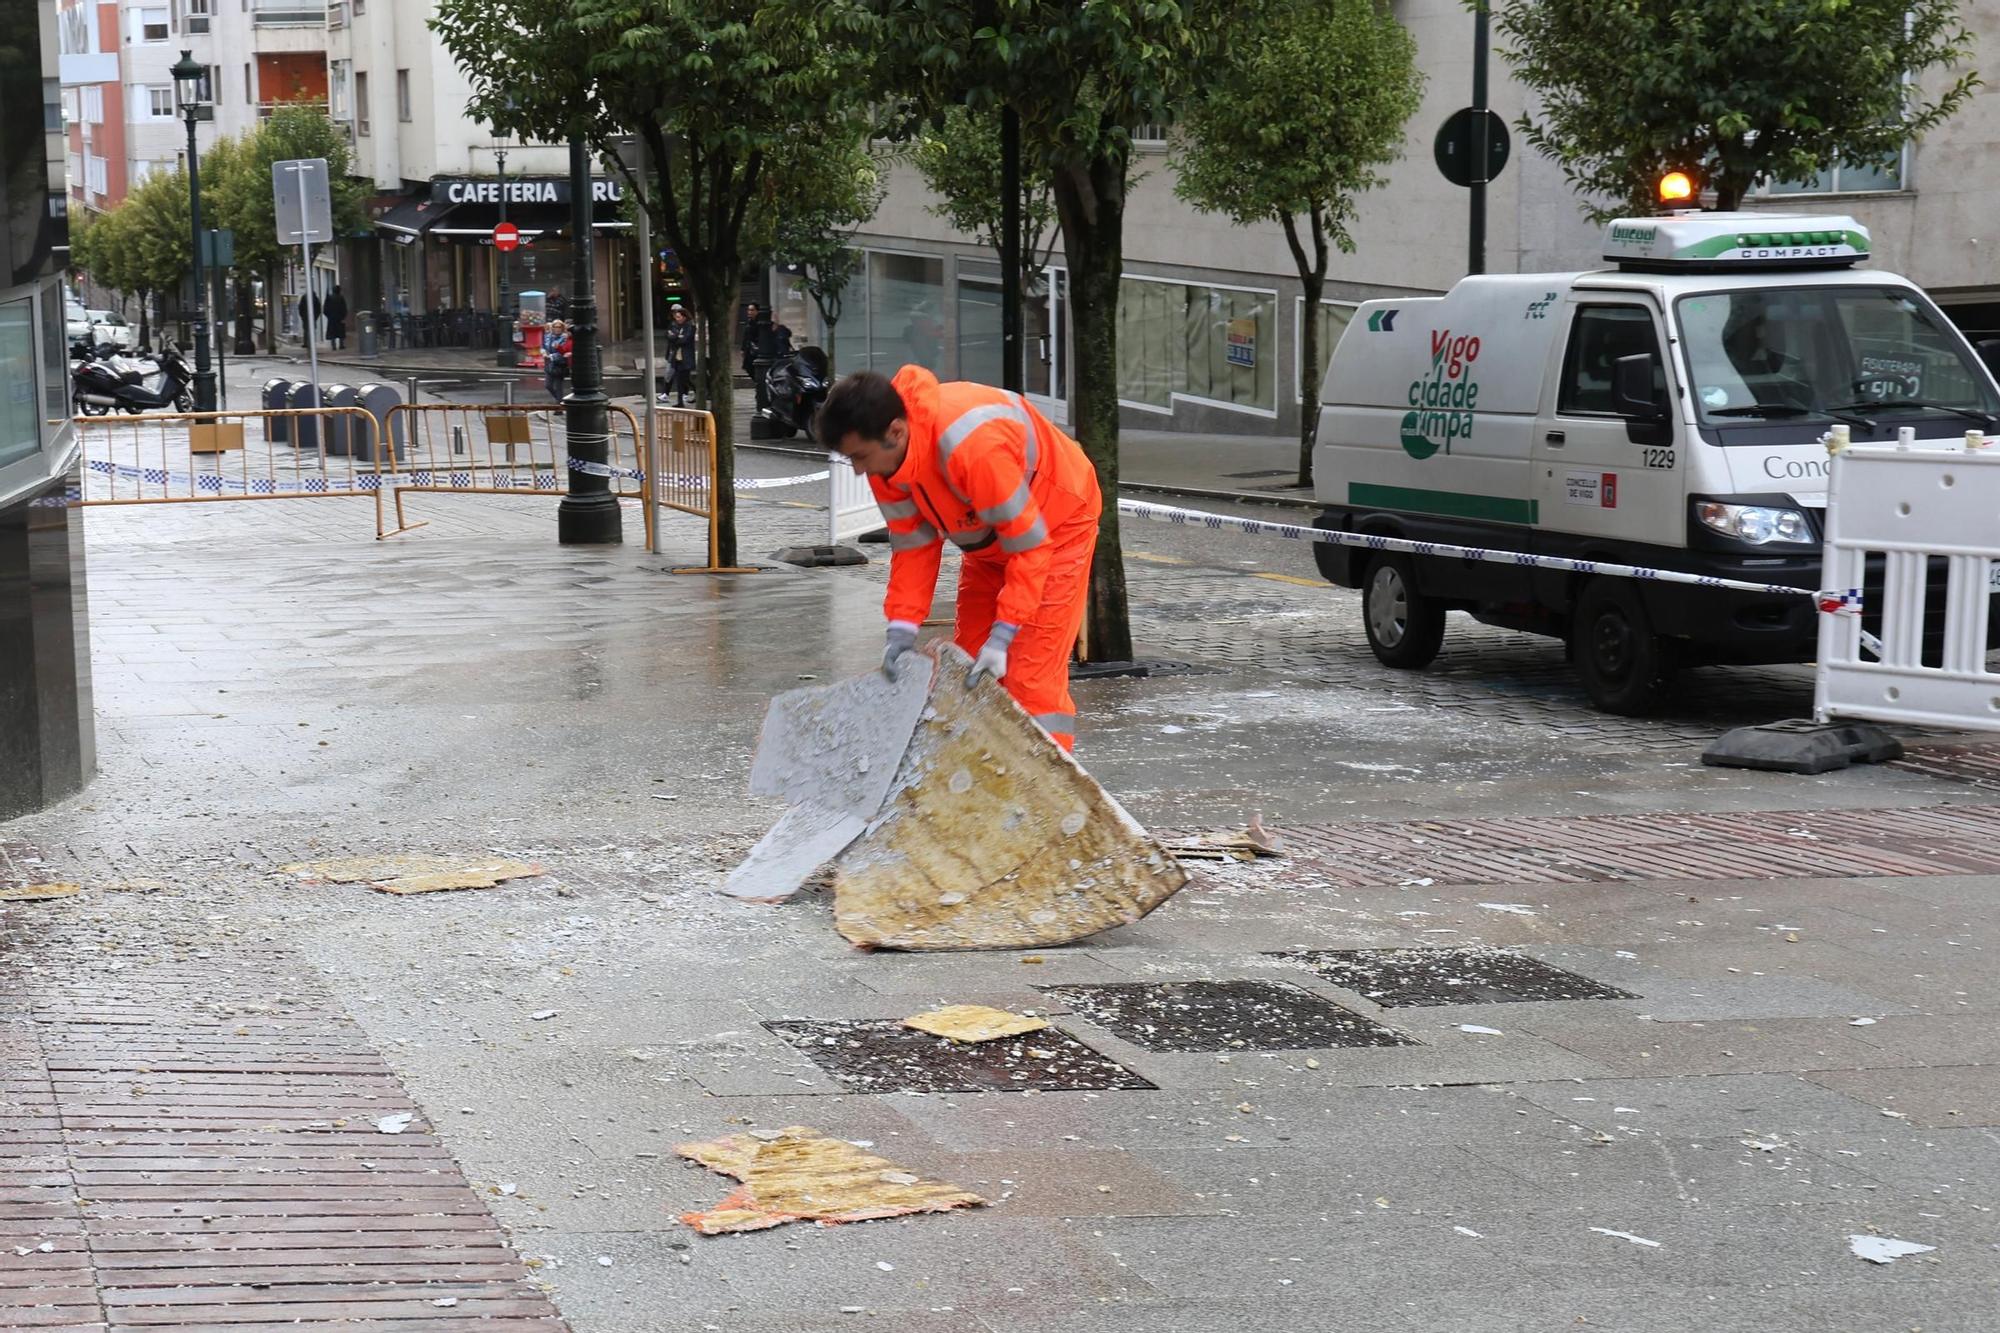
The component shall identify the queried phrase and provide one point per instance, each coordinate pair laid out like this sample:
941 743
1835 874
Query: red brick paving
196 1142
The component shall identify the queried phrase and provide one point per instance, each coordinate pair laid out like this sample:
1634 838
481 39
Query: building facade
1211 313
47 745
439 178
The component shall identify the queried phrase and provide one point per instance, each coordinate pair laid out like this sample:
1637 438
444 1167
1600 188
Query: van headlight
1757 524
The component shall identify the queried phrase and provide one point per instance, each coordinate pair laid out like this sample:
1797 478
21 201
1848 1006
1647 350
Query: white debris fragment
1624 953
395 1124
445 1302
1861 1023
604 1261
1626 1235
885 1267
1512 909
1765 1145
542 1015
1480 1031
508 1187
1884 1249
1468 1231
47 1247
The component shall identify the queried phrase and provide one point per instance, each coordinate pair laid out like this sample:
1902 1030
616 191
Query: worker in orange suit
981 467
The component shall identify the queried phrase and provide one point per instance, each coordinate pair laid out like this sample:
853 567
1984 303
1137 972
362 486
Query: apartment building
1211 313
438 176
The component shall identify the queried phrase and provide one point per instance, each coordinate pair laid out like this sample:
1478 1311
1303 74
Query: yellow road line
1289 578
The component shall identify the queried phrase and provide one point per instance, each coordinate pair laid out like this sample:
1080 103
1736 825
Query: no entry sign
506 236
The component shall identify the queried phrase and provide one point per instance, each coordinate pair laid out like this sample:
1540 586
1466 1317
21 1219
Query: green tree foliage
1082 75
1729 90
143 247
237 194
959 158
719 90
815 205
1304 107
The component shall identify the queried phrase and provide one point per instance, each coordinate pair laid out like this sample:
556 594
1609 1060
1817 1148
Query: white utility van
1667 412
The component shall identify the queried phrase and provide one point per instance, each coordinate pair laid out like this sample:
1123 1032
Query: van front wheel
1405 628
1626 668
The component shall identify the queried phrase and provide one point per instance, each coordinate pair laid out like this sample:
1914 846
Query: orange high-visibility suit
1020 499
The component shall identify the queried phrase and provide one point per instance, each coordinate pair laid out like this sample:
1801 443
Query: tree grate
881 1055
1190 1016
1402 978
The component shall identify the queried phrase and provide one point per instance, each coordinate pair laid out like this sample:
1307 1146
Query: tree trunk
1091 202
1312 361
145 319
718 372
271 320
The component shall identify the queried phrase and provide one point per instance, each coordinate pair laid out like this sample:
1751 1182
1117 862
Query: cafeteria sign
1243 342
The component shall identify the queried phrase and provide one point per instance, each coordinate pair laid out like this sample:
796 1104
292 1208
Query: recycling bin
305 397
340 430
276 396
390 434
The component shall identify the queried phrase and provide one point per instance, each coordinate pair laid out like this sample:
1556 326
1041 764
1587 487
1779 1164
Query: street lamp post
506 355
589 513
188 76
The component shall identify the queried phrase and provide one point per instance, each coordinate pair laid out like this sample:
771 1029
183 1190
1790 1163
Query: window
905 312
1333 320
361 103
153 25
1213 344
1875 178
337 97
195 15
160 101
93 104
403 96
20 409
94 177
1601 335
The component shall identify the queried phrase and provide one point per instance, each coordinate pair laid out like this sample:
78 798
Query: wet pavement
1660 1039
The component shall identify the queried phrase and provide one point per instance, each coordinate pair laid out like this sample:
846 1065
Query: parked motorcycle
794 387
101 384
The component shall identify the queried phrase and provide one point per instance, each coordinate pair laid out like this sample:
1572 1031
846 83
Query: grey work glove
902 640
991 664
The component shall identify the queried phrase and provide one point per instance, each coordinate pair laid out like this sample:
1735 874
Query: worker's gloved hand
902 641
991 664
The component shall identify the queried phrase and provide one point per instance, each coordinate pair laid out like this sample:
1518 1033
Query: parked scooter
102 384
794 387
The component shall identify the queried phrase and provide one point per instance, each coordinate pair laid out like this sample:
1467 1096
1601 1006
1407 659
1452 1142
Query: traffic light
1676 190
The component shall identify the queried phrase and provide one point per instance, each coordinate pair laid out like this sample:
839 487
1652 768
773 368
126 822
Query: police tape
216 483
1850 600
591 468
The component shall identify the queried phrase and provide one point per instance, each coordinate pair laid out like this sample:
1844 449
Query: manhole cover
1223 1015
881 1055
1394 978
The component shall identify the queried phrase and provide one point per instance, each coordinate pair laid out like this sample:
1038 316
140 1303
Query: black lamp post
188 78
589 514
505 355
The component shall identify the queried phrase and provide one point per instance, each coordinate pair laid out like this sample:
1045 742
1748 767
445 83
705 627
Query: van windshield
1874 357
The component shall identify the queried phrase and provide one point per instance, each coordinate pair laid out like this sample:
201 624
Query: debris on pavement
1252 842
1884 1249
37 893
982 833
799 1174
969 1023
396 1123
412 872
1626 1235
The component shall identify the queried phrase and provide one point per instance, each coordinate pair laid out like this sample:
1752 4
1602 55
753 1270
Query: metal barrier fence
506 449
1924 512
223 457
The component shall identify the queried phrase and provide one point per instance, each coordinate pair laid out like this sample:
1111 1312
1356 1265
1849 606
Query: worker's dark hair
865 404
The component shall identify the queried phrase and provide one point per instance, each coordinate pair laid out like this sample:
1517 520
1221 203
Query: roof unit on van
1713 242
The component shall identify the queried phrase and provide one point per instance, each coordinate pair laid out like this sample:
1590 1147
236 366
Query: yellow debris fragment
802 1175
412 872
971 1023
35 893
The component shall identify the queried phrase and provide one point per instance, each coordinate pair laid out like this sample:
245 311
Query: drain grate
1607 849
881 1055
1395 978
1189 1016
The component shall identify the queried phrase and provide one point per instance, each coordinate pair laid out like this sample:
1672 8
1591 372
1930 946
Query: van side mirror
1989 352
1632 391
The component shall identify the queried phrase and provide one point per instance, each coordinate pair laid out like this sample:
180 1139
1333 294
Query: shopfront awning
407 222
474 221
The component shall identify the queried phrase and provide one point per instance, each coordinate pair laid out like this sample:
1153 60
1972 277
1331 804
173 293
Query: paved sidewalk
1541 1025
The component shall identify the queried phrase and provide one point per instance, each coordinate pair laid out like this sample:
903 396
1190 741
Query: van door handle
1555 437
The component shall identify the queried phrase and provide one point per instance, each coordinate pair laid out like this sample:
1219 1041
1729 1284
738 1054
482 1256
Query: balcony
288 13
266 109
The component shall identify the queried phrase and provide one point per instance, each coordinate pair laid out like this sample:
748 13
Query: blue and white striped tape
595 469
1373 542
216 483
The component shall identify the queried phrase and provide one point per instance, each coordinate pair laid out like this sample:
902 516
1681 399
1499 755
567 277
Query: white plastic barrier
850 505
1911 506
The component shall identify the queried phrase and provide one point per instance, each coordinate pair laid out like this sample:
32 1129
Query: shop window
20 410
1213 344
905 312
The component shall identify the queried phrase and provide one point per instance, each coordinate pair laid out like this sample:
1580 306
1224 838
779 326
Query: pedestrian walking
335 311
680 354
756 328
309 313
1017 496
555 358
